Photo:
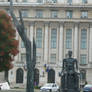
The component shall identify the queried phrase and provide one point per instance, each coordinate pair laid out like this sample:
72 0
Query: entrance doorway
36 77
19 75
51 76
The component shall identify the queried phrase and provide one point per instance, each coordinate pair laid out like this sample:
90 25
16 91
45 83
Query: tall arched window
19 75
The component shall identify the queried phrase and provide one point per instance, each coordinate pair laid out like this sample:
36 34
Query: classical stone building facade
57 26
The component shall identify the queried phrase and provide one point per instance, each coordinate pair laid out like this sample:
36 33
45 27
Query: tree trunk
30 51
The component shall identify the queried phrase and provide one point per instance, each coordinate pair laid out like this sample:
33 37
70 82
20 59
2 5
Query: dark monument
70 75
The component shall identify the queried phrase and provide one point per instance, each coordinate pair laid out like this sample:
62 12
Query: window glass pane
69 14
39 13
39 1
69 38
39 38
82 75
53 58
22 44
84 1
53 38
69 1
23 57
54 1
83 39
8 12
84 14
83 59
38 57
24 0
24 13
54 14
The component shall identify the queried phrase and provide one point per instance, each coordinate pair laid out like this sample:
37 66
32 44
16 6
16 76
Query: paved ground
17 90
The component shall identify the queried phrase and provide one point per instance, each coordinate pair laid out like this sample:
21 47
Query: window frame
39 13
53 38
69 14
68 41
53 58
84 14
39 40
54 13
83 39
83 59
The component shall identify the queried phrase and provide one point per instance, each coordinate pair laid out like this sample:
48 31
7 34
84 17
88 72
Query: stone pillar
61 39
46 43
90 44
75 52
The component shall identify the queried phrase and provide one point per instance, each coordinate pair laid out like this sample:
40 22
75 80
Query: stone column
75 52
90 44
61 42
46 42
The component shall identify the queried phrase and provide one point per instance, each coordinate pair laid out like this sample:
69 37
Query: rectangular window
54 1
23 57
84 1
39 38
69 1
84 14
53 38
39 13
38 57
82 75
39 1
8 11
53 58
83 39
24 13
69 14
8 0
69 38
54 14
22 44
24 0
25 31
83 59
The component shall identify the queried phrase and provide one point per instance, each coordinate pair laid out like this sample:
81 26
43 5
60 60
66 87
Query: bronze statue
69 75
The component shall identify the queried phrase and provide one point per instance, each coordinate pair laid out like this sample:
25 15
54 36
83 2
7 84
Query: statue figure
69 75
